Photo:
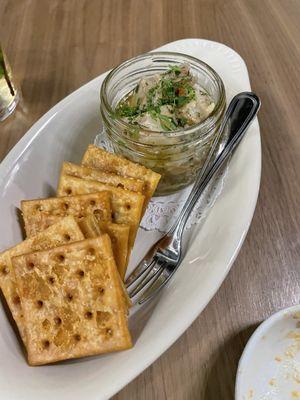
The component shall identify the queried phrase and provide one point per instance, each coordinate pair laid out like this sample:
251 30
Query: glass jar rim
205 125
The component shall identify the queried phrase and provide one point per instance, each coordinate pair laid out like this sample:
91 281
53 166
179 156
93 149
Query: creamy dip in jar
169 101
163 110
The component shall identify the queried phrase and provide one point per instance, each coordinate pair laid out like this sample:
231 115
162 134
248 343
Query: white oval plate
31 170
269 368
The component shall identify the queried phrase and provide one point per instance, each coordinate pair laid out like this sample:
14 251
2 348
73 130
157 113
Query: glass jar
176 155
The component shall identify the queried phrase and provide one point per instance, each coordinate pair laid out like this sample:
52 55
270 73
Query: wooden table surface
55 46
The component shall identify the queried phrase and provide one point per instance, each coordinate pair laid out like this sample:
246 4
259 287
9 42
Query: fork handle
240 113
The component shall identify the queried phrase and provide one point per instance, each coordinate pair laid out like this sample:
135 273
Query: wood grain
55 46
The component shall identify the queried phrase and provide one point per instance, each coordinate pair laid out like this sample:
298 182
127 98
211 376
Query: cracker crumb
272 382
295 394
277 358
289 353
294 335
292 350
296 379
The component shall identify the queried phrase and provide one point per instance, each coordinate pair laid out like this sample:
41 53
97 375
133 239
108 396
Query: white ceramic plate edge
20 147
261 329
196 313
163 344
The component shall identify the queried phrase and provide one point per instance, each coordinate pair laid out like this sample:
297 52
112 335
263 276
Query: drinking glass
9 94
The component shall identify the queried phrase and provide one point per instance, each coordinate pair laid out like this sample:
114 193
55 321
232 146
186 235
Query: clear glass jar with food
163 110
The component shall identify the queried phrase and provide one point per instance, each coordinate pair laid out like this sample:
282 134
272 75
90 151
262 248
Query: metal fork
164 257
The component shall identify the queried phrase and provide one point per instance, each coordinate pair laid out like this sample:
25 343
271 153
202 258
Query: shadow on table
221 377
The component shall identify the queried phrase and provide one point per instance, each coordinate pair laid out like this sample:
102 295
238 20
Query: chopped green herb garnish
174 68
158 100
126 111
167 123
182 121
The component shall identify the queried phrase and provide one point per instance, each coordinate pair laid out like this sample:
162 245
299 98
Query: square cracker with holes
41 213
72 301
64 231
126 206
80 171
118 233
98 158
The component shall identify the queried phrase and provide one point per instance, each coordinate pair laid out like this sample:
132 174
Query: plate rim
38 124
264 326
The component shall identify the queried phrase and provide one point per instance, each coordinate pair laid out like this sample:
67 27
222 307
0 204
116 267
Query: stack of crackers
64 284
